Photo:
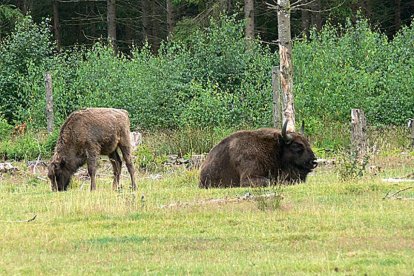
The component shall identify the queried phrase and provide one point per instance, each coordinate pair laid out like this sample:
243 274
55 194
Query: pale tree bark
170 16
358 133
111 20
56 24
49 102
286 67
277 120
249 17
411 127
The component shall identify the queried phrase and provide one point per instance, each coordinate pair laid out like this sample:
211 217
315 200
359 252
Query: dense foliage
355 67
212 78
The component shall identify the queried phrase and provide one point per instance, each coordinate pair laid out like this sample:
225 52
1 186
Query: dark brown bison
83 137
253 158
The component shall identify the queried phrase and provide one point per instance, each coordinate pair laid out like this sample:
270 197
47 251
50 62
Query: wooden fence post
411 126
358 133
277 111
49 102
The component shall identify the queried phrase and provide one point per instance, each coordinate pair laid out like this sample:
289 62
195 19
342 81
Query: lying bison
83 137
253 158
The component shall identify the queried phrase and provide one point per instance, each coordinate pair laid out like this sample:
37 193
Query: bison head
58 174
298 158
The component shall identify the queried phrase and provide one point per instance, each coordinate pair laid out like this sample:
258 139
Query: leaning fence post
411 126
358 132
49 102
277 120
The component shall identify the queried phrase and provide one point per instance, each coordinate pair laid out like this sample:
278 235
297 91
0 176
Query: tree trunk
49 102
367 8
155 22
397 17
249 17
277 120
411 127
316 19
170 17
145 10
111 20
224 6
21 4
305 18
229 6
286 67
56 24
358 133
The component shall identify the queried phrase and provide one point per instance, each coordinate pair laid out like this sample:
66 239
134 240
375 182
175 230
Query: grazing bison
252 158
83 137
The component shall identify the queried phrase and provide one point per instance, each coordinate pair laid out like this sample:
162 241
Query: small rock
7 167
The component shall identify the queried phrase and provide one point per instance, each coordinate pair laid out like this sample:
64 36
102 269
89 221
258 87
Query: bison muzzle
84 136
258 157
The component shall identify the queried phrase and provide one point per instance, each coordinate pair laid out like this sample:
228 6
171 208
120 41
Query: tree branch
17 221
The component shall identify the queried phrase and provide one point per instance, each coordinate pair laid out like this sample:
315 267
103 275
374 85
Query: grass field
322 227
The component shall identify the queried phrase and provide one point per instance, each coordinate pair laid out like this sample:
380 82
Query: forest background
186 64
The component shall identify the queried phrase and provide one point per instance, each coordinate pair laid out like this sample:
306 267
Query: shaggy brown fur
253 158
83 137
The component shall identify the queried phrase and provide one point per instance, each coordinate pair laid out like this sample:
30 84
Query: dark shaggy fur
83 137
253 158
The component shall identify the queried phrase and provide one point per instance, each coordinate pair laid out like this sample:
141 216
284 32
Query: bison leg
91 162
252 174
116 166
254 181
126 152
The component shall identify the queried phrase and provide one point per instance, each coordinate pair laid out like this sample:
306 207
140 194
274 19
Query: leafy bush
339 69
351 165
24 147
5 128
24 58
9 15
147 159
213 80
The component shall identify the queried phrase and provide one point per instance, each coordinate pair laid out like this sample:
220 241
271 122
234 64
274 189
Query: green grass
322 227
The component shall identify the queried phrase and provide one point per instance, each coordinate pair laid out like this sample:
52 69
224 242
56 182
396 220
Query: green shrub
9 16
24 58
355 66
147 159
5 129
212 80
351 166
24 147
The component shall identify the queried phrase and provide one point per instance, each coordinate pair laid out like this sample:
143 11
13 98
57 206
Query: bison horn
286 137
302 128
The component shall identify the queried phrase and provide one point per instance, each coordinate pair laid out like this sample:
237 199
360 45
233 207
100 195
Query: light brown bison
253 158
84 136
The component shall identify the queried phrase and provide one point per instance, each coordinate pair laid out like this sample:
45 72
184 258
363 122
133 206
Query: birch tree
286 66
